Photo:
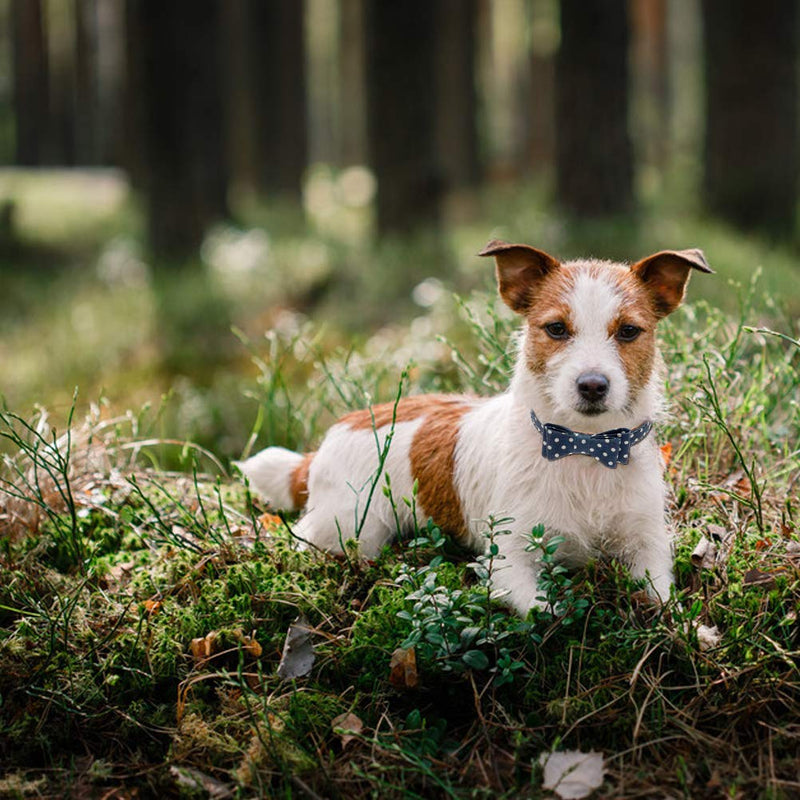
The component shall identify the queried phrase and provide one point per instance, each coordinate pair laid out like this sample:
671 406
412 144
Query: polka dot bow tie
609 447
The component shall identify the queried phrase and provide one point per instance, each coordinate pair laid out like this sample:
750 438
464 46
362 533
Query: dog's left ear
666 274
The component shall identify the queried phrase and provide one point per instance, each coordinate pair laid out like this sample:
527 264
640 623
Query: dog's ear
666 274
519 268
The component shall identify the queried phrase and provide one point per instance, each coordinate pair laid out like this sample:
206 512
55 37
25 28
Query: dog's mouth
591 409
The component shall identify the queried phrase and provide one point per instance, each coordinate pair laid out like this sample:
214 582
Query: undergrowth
143 612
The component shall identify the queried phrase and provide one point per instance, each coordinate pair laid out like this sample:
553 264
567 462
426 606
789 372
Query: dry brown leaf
204 647
403 669
250 645
268 520
755 577
348 726
704 555
152 606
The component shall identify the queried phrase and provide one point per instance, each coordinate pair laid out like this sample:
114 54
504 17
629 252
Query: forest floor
146 598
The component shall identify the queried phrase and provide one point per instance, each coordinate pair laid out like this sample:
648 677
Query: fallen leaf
666 453
298 652
572 774
707 637
268 520
348 726
762 544
403 669
203 647
152 606
250 644
704 555
755 577
196 781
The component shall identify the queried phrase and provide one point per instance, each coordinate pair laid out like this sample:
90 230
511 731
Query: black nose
592 386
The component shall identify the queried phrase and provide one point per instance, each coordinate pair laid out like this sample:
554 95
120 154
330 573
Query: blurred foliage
80 307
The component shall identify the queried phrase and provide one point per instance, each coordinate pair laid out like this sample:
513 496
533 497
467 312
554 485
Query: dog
568 446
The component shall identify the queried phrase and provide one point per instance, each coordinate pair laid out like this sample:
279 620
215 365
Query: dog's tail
279 476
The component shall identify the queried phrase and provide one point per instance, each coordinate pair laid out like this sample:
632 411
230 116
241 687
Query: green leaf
475 659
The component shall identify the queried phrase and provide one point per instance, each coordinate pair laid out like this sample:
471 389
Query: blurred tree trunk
593 150
277 60
457 106
178 61
86 93
31 84
539 107
352 113
132 156
751 147
401 111
239 92
650 91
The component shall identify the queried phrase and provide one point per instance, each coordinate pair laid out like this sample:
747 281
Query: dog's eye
556 330
627 333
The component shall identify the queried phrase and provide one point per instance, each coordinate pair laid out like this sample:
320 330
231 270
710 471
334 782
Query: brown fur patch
407 409
298 485
638 356
432 456
548 305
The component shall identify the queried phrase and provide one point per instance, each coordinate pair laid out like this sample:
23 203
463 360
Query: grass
143 611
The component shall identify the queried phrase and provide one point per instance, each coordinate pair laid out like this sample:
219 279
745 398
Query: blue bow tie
609 447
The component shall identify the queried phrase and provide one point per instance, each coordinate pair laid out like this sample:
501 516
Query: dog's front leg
515 578
652 560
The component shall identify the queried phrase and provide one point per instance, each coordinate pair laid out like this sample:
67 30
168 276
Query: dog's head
590 325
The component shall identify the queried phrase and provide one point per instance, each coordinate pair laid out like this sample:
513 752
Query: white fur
345 488
499 469
270 474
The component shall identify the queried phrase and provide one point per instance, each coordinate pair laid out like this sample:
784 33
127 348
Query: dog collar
609 447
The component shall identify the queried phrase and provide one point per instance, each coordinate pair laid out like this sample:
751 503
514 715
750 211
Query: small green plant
557 587
453 626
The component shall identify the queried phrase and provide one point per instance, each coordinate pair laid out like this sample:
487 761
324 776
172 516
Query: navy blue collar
608 448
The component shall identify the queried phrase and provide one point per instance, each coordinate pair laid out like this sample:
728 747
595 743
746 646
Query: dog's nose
592 386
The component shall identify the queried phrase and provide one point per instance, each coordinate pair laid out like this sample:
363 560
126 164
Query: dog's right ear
519 268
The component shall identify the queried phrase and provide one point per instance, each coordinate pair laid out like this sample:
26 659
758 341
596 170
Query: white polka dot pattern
614 445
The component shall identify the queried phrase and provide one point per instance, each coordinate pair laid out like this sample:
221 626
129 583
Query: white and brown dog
567 446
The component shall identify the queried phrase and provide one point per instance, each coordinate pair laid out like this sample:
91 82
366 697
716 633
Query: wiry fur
483 457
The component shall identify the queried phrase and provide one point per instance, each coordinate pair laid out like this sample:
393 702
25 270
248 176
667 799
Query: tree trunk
651 82
457 108
539 106
593 154
31 85
352 113
277 58
751 147
179 48
86 89
401 111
